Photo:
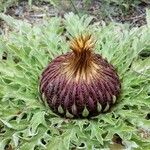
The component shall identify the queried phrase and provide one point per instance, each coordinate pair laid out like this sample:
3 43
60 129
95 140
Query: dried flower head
80 83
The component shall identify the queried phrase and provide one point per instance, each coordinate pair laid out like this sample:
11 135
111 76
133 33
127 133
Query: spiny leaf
37 119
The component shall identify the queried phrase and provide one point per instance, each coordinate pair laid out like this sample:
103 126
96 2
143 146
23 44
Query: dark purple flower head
80 83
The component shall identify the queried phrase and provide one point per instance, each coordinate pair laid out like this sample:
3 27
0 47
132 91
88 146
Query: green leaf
67 137
6 123
148 17
96 132
27 146
142 67
37 119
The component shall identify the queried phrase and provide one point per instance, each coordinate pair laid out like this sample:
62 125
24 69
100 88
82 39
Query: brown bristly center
80 65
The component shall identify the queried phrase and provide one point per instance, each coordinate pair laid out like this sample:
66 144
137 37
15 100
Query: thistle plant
27 123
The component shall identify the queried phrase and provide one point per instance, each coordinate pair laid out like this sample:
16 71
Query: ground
134 15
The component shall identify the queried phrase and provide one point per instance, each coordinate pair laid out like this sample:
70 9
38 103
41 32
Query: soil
135 16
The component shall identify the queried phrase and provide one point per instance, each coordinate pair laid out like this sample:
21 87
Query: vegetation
124 5
27 124
4 4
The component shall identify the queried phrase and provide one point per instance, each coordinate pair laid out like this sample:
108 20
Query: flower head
80 83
